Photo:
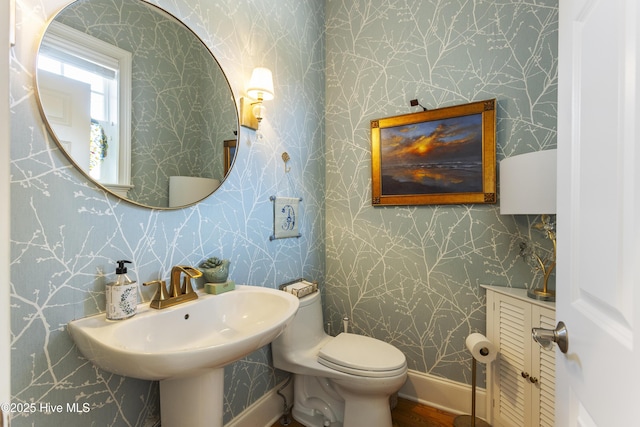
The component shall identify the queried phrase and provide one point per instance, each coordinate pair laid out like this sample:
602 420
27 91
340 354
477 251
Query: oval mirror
137 102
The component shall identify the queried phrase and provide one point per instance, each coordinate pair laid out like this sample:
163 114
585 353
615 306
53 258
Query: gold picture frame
442 156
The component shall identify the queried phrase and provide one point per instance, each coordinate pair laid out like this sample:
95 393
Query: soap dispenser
121 295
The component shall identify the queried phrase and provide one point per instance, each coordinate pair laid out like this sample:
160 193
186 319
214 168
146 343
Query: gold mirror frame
231 127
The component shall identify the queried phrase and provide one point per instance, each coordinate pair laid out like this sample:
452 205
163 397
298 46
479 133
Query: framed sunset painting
443 156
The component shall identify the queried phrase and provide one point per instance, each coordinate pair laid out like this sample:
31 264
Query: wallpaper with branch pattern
408 275
67 234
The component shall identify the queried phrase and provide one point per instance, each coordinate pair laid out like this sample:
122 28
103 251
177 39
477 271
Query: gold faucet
177 294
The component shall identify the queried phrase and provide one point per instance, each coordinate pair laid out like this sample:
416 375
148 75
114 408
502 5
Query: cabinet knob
525 375
533 380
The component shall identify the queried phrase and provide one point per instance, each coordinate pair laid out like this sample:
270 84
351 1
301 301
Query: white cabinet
521 381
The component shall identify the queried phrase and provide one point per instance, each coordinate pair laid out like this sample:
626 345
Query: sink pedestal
194 401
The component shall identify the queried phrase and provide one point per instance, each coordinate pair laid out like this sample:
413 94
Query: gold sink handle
161 294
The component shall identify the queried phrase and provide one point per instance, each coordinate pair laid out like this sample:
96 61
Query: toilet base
316 402
308 420
366 411
320 402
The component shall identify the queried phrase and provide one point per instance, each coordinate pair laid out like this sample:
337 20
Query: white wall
5 335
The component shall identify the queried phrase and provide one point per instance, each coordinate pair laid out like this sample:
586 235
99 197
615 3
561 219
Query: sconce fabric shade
528 184
261 84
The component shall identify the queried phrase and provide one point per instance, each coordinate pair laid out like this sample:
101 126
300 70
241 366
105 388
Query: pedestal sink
186 347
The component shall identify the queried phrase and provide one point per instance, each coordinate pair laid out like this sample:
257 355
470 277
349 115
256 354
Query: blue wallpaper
408 275
66 233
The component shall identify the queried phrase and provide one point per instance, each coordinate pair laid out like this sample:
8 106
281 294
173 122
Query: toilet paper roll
481 348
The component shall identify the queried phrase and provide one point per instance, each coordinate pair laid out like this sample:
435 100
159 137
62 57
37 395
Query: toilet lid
360 355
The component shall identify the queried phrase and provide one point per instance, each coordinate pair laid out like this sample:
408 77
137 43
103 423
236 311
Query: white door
598 276
67 104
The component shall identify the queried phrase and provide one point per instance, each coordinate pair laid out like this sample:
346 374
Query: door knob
546 337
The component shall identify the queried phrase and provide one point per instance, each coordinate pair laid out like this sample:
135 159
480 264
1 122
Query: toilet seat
362 356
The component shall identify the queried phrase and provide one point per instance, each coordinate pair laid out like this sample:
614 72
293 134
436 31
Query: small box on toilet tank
300 288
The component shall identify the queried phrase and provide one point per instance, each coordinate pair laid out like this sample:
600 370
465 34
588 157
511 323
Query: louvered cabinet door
521 381
545 369
512 392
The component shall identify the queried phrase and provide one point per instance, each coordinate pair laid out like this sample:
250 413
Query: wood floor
409 414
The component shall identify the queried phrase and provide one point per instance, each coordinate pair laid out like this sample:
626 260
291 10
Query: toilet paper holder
481 349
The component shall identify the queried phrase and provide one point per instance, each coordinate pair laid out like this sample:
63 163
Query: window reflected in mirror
79 75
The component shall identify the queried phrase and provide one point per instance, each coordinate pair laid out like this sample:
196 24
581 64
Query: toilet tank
305 330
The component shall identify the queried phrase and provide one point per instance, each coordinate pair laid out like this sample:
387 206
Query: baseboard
444 394
266 410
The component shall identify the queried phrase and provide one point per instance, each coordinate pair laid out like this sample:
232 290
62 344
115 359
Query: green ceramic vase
218 274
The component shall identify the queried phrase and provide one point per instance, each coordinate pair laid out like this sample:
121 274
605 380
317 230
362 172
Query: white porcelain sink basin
186 339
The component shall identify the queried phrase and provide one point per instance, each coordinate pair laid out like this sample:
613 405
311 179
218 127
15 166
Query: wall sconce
528 187
260 89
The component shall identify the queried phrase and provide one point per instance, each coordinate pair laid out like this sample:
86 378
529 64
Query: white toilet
342 381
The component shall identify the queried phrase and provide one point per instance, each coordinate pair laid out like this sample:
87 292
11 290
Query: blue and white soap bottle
121 295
